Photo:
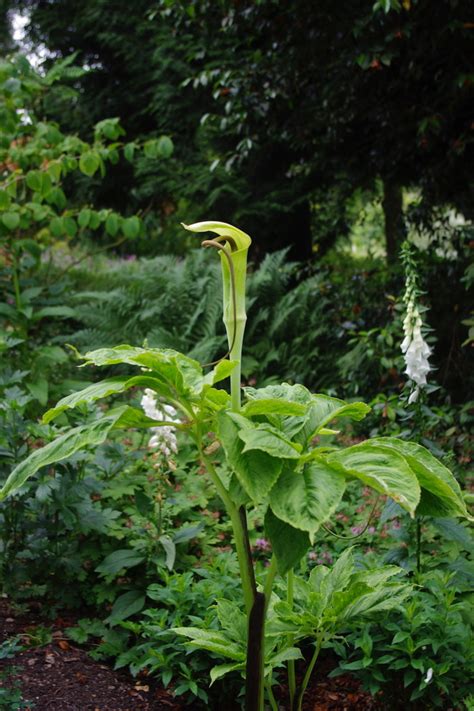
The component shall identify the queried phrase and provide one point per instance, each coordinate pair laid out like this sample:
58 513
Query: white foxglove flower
429 676
414 347
163 438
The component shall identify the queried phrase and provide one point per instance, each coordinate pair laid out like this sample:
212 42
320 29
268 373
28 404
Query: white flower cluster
414 346
163 438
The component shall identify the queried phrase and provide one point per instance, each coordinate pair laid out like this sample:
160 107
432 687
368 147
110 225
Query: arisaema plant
269 457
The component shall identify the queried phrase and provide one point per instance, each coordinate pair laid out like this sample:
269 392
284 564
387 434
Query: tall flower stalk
414 346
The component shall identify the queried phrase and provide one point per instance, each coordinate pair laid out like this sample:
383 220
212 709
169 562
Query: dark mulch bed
61 676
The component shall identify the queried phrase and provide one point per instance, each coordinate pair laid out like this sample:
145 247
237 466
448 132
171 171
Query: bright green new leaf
269 439
441 494
305 499
381 468
273 406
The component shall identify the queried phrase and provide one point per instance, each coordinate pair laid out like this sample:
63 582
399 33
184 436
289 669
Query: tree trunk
392 208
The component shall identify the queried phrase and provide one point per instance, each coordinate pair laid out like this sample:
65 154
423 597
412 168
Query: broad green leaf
61 448
56 311
441 494
112 224
289 544
70 225
269 439
57 227
125 606
89 394
212 641
165 147
122 558
129 151
273 406
84 217
256 471
283 391
307 498
11 220
182 374
220 670
232 620
89 163
381 468
329 408
34 180
131 227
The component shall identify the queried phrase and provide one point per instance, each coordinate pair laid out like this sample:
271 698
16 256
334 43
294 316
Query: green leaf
57 227
34 180
39 390
441 494
150 148
212 641
116 561
381 468
11 220
273 406
329 408
84 217
165 147
269 439
56 311
180 374
89 163
125 606
305 499
4 200
220 670
131 227
89 394
112 224
221 371
70 225
289 544
170 550
129 151
256 471
61 448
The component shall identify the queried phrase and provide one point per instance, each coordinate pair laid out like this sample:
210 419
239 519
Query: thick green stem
240 535
309 671
235 334
290 639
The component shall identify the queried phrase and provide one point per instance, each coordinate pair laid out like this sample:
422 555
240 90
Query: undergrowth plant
266 453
